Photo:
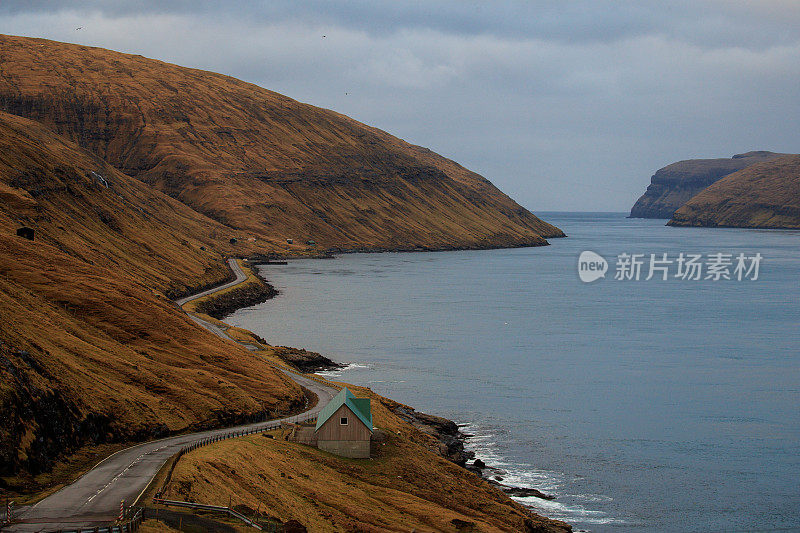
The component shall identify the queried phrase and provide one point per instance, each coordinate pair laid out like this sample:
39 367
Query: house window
343 421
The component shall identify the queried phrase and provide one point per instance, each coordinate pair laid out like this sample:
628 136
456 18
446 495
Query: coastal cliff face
674 185
257 161
765 195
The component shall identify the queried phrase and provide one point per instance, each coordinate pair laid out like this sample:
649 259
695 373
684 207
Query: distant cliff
676 184
764 195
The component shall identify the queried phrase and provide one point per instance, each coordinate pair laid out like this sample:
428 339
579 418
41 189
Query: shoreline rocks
451 447
306 361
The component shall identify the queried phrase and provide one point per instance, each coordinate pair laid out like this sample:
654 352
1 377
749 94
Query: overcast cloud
563 105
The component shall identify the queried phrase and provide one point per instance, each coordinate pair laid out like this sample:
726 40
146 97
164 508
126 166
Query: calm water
644 406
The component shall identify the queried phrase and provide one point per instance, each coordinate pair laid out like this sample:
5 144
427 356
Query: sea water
644 405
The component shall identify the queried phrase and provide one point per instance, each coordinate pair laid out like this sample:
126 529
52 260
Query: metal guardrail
218 508
128 525
132 524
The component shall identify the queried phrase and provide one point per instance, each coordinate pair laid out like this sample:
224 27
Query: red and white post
121 510
9 503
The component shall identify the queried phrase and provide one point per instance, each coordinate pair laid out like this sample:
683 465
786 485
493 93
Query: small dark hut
25 233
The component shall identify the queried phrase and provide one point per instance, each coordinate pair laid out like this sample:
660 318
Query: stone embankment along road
94 498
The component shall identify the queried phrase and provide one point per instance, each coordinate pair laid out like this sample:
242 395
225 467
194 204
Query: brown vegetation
139 178
90 351
255 160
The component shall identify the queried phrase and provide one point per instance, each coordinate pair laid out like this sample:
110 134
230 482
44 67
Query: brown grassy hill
405 486
256 160
766 195
90 351
675 184
81 205
88 356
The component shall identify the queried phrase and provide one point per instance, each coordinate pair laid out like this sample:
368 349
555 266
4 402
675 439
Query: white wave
339 371
484 443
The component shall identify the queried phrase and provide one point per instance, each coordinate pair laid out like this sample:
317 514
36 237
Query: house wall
355 449
351 440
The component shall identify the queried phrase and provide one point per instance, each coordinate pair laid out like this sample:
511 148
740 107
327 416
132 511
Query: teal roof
359 406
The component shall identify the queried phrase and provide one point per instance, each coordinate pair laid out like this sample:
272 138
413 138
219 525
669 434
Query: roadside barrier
272 527
127 525
136 515
9 513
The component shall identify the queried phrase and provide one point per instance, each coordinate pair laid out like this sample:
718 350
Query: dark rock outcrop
451 440
305 361
674 185
526 492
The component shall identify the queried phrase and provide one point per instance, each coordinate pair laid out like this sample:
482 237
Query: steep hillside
88 356
91 352
255 160
766 195
675 184
78 203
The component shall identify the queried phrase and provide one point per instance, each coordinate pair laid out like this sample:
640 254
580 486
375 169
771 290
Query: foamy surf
572 508
339 371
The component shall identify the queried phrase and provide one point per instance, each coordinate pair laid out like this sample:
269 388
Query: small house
344 426
25 233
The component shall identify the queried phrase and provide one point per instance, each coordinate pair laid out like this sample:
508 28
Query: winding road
210 326
94 498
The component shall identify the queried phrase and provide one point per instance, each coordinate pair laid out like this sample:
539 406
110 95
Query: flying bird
79 28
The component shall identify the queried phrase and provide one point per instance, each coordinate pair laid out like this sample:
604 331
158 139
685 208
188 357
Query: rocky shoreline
306 361
452 447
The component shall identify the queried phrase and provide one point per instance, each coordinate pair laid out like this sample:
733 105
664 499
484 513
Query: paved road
240 277
94 498
213 328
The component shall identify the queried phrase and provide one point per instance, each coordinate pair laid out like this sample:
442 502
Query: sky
565 106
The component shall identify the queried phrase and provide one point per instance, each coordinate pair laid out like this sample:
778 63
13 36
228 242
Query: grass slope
255 160
91 351
86 208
